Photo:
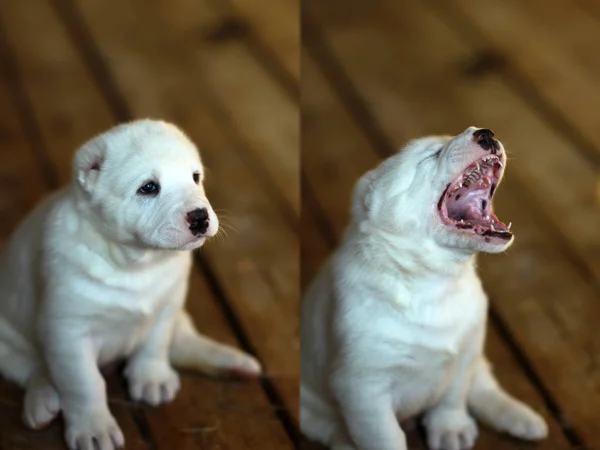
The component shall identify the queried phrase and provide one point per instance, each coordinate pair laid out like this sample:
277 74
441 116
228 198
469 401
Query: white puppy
99 272
393 326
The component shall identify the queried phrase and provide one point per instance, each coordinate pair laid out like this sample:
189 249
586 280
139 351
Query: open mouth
466 203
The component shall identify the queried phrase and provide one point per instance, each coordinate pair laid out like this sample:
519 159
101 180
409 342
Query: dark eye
150 188
196 178
438 153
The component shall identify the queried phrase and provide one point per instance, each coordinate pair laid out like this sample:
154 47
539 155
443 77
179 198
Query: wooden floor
227 72
377 73
374 74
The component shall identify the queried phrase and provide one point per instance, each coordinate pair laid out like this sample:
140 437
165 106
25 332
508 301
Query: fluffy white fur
99 272
393 325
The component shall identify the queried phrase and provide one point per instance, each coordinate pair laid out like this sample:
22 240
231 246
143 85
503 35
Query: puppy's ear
362 198
88 163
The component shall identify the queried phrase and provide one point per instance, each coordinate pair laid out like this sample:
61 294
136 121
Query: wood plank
331 139
545 43
438 95
277 25
212 413
257 265
22 186
65 123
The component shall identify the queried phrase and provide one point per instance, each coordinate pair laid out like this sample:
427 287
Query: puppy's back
21 268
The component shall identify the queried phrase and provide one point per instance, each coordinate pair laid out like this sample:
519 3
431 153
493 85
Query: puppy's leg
492 405
317 420
189 349
449 426
74 371
368 415
150 375
42 402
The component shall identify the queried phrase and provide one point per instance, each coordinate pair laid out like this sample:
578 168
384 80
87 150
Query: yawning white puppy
99 272
393 326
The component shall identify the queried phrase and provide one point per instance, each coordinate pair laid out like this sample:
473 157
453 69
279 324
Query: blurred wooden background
227 72
377 73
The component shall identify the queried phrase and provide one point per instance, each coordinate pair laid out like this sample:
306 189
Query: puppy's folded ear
362 198
88 163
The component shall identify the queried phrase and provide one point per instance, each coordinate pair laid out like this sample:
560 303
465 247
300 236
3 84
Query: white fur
393 325
99 272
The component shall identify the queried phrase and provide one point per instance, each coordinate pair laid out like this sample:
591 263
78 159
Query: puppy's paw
152 381
41 404
521 421
97 430
450 429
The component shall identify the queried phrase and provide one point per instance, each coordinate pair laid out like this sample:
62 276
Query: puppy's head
141 183
438 188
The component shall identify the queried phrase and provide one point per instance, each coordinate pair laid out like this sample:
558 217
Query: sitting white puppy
393 326
99 272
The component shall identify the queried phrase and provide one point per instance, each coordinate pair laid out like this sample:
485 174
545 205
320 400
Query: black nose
485 139
198 220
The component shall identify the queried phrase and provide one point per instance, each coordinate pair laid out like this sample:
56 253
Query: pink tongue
468 205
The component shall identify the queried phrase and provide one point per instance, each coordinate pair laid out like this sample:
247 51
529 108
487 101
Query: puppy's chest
438 332
124 320
430 341
123 295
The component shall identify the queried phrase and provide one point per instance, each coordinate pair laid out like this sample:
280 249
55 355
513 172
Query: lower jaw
488 238
195 242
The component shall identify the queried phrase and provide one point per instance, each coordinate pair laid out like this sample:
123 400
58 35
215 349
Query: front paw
93 430
152 381
450 429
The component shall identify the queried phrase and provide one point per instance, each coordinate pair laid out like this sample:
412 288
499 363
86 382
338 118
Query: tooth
492 227
509 225
462 221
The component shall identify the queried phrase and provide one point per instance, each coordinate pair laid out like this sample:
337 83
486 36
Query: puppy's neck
416 257
122 255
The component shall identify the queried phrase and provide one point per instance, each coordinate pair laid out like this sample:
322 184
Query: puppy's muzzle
485 139
198 220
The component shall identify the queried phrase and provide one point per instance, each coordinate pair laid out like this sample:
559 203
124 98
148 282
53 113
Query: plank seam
343 87
243 339
261 51
244 152
545 222
524 362
22 103
357 109
95 62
